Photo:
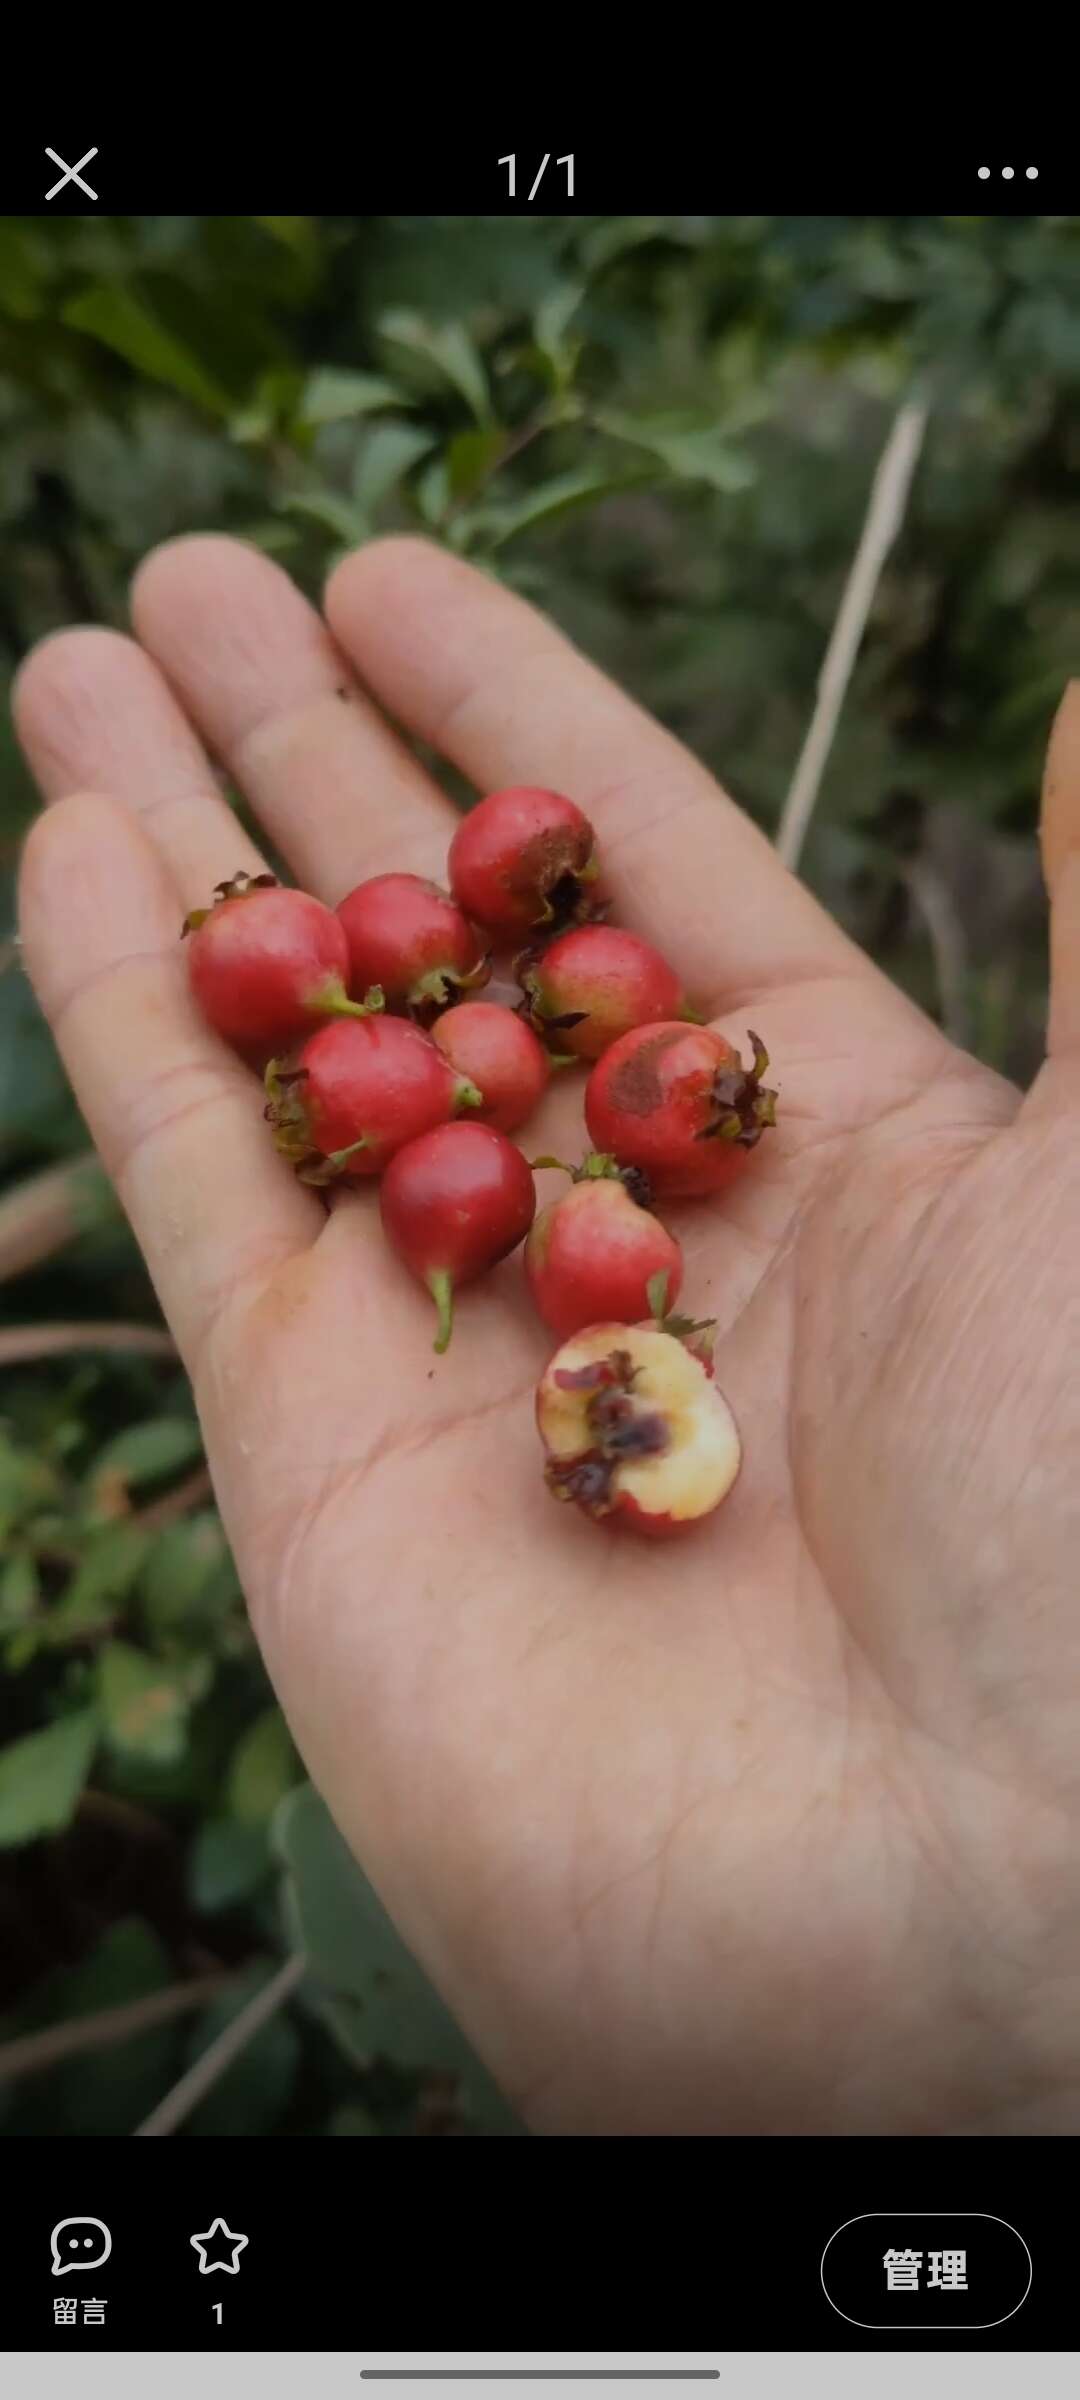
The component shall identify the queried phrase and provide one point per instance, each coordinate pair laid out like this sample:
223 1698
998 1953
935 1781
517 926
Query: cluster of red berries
378 1060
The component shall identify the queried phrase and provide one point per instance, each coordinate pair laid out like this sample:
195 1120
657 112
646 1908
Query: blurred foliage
663 429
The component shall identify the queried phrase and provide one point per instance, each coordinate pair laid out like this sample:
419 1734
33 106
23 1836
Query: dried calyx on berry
266 962
358 1093
522 858
286 1114
743 1106
593 982
237 887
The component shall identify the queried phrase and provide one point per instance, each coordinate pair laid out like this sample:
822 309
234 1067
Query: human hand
774 1830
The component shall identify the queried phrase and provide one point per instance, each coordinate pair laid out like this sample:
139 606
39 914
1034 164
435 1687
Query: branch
230 2044
31 2053
195 1488
882 522
49 1210
22 1343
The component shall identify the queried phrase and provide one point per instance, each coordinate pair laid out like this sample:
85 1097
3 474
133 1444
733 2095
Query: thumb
1060 838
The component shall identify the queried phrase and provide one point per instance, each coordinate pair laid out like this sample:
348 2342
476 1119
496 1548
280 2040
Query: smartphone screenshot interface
539 1274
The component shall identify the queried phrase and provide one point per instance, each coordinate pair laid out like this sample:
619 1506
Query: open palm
776 1829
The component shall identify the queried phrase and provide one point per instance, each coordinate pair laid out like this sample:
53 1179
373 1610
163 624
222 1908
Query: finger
94 713
1060 837
254 665
177 1121
492 685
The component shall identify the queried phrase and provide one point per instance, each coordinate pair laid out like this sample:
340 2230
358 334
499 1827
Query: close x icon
71 174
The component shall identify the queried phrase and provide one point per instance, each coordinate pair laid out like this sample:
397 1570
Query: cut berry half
635 1430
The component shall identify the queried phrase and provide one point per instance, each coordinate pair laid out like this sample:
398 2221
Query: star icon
225 2246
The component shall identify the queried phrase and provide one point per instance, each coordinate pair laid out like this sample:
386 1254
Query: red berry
594 983
496 1050
676 1101
266 962
358 1093
635 1430
592 1255
453 1203
410 938
523 858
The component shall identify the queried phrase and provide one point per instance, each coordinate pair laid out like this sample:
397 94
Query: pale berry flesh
636 1432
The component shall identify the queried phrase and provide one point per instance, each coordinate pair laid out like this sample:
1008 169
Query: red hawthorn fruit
593 1254
497 1051
635 1430
677 1102
358 1093
266 962
410 938
594 983
453 1203
523 858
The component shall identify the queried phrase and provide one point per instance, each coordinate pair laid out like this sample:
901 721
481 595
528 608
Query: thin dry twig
19 1344
219 2056
881 524
44 1213
32 2053
195 1488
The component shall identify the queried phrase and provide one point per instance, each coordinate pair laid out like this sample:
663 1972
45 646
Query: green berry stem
440 1285
333 1001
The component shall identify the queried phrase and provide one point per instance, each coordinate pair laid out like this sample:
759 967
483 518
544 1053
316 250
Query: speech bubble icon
79 2242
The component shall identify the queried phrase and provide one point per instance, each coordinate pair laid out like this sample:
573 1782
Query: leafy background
663 429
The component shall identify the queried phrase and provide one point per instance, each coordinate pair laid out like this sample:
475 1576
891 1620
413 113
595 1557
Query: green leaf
112 1558
550 324
448 348
228 1862
386 455
145 1707
556 498
376 1998
656 1291
149 1452
432 491
115 315
695 453
42 1777
20 1591
275 398
264 1767
188 1580
471 457
330 511
332 393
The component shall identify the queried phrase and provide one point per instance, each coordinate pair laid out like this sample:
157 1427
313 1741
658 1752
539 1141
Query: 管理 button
934 2272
